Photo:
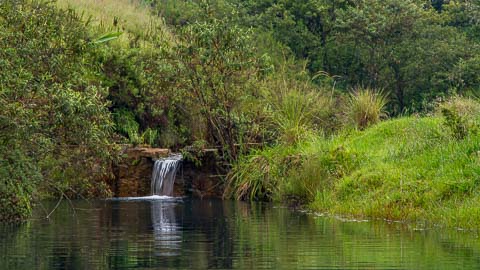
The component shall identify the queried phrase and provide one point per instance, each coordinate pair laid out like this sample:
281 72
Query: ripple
148 198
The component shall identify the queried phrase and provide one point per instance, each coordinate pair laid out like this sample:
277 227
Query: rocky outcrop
134 171
204 179
145 152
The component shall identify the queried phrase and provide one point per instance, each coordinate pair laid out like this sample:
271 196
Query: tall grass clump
257 176
296 108
461 115
367 107
323 161
294 113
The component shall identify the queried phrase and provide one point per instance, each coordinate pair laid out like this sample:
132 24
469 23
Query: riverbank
410 169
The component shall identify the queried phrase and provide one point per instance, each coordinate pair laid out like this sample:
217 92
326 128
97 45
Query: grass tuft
367 107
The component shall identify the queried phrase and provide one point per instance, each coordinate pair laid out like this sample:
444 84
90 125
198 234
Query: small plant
125 124
461 116
367 107
195 152
150 136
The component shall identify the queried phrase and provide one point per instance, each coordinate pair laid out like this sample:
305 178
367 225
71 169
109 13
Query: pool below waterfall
181 233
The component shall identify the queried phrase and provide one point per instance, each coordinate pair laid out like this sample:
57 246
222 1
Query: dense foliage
413 49
284 89
54 120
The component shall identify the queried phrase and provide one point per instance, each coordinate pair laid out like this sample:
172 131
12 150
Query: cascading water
163 176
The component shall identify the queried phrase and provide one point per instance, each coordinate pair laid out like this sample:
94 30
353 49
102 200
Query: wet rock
133 174
204 179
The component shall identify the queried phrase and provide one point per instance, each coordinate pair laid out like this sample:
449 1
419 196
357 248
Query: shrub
461 116
367 107
52 107
216 68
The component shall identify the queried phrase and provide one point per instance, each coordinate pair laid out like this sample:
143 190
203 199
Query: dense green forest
365 108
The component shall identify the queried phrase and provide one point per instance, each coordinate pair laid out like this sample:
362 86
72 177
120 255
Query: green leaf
107 37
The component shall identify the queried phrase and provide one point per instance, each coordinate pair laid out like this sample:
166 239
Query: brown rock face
134 171
204 181
145 152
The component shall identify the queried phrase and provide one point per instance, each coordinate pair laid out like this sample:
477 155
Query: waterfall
163 176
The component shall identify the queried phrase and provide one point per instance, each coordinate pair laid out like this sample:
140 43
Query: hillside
133 18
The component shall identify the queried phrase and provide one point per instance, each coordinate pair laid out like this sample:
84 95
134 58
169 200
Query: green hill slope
409 169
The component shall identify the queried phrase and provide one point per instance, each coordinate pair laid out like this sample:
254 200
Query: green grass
410 169
131 17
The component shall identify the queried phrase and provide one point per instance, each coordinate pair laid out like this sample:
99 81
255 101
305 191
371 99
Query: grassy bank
132 18
409 169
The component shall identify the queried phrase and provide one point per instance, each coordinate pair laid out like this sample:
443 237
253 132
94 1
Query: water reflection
166 231
211 234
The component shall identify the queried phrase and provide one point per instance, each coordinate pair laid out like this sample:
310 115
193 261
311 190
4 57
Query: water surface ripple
212 234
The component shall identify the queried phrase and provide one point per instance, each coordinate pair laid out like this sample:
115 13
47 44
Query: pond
214 234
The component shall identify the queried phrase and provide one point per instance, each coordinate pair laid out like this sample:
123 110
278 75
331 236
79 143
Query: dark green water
211 234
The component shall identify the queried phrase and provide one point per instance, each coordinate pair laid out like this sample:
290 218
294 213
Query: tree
216 68
304 26
399 46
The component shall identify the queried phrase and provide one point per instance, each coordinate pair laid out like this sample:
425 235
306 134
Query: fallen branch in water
56 206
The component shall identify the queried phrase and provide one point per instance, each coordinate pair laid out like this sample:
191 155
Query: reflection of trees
300 239
208 222
223 235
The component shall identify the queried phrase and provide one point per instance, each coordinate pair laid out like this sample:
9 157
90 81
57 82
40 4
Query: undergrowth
411 169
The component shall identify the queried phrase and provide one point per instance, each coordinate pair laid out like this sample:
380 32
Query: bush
216 69
462 116
52 106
